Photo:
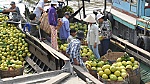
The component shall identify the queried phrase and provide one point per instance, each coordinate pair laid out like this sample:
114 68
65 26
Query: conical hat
89 19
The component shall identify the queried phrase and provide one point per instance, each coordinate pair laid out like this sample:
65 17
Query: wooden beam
41 43
58 79
84 74
34 65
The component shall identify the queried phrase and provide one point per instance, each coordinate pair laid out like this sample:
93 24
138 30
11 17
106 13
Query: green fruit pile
112 72
13 48
95 64
63 47
3 17
79 26
85 51
127 62
67 9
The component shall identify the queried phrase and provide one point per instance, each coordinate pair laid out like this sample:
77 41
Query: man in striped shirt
74 49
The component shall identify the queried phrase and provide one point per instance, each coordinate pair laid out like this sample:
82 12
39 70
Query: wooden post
83 9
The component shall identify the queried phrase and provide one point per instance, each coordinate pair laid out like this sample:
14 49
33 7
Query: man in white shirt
40 8
72 35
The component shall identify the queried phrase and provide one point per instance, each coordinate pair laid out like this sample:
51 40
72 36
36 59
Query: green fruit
105 67
123 75
119 64
124 63
113 68
100 73
99 69
119 60
129 63
107 71
113 77
93 64
117 73
129 66
120 78
104 76
93 68
100 64
123 70
83 55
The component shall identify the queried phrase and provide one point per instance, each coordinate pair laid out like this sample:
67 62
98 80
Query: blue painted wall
125 5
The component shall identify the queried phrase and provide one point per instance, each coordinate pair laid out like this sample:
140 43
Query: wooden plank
60 55
132 46
34 65
58 79
84 74
37 40
50 49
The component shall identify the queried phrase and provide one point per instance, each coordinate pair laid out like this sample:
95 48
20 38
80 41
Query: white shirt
37 11
70 38
92 35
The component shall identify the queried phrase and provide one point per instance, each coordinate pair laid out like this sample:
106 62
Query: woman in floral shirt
105 30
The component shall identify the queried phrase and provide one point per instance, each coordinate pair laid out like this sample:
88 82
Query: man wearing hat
40 8
64 31
15 11
52 19
93 35
73 49
105 29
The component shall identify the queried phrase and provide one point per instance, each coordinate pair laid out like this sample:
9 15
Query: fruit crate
112 56
11 73
105 81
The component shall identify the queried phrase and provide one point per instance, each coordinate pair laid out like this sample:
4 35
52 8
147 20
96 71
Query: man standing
40 8
64 31
15 12
74 49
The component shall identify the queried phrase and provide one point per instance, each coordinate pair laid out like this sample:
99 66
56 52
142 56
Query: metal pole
104 6
67 2
83 9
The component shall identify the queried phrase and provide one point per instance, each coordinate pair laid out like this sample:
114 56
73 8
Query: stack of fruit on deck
13 48
80 26
85 51
3 17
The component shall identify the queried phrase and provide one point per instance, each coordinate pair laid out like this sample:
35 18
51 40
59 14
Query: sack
44 25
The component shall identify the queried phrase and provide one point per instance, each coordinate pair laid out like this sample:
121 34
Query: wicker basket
125 81
134 76
11 73
112 56
84 59
93 73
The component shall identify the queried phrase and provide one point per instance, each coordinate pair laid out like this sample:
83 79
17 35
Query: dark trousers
105 46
